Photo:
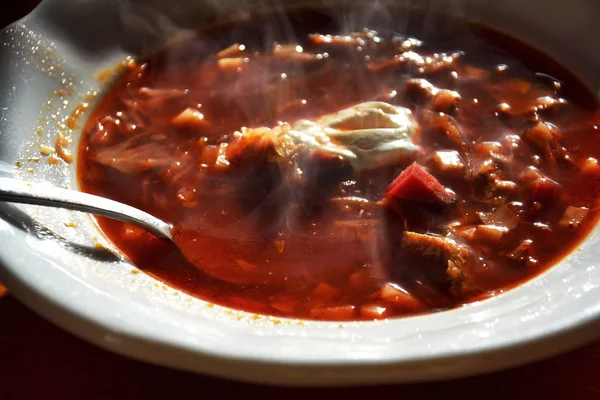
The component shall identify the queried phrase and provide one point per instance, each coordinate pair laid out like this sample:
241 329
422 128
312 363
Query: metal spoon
17 191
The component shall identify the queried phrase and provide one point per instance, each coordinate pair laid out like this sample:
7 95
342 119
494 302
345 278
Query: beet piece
415 183
544 191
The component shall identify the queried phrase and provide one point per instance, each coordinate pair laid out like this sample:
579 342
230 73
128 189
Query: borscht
319 173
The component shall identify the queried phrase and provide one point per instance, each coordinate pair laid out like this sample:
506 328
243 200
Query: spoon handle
17 191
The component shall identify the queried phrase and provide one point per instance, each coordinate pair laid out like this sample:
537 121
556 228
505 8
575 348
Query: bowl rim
563 334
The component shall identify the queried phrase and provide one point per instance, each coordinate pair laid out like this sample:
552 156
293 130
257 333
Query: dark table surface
40 361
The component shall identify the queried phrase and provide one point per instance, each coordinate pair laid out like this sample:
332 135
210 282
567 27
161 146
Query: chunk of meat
447 259
573 217
415 183
319 177
488 185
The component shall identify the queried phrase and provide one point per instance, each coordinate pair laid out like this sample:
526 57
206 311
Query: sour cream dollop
369 135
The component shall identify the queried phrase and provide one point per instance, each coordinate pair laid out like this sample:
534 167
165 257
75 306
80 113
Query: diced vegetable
339 313
366 279
246 265
46 150
395 294
548 105
163 94
547 138
544 191
542 134
415 183
295 53
448 163
235 50
489 148
62 148
487 183
502 216
284 305
326 291
521 252
530 174
189 118
374 311
445 101
467 232
490 233
573 217
344 40
232 64
591 167
503 110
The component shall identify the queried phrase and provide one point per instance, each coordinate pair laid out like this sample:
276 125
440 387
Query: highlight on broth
347 177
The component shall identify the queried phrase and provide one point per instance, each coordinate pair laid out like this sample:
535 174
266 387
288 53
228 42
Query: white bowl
59 272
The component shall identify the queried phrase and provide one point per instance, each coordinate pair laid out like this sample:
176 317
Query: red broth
504 184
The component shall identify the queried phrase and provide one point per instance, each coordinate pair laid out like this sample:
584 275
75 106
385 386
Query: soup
346 176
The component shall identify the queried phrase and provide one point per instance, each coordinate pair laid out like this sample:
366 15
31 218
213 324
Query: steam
150 29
